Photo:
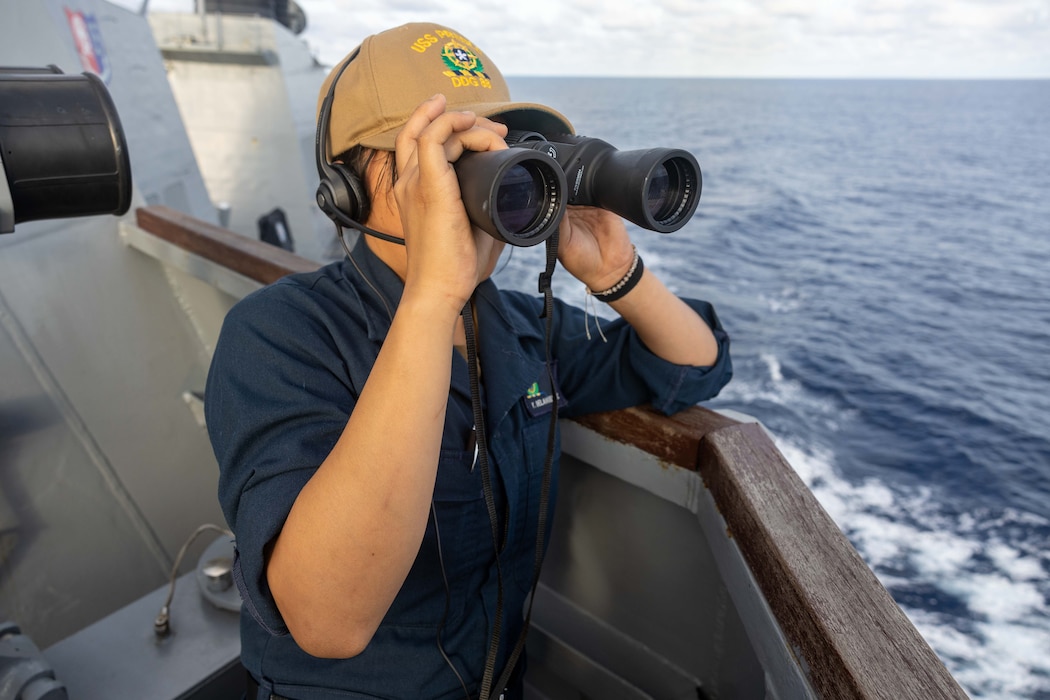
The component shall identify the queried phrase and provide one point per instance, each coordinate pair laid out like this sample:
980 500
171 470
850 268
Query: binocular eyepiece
519 195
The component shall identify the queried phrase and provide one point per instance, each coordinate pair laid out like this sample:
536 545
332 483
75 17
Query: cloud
824 38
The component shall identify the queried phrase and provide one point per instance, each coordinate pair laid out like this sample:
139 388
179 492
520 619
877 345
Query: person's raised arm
596 249
356 527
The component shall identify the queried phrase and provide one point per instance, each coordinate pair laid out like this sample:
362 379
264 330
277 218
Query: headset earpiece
341 194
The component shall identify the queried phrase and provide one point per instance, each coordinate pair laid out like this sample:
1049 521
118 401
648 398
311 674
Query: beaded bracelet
629 281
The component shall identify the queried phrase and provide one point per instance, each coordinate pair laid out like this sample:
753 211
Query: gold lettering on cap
464 81
446 34
424 42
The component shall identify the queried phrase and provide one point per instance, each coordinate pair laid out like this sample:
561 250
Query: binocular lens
517 195
520 198
671 188
657 195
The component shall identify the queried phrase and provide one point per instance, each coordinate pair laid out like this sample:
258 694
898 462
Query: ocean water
880 253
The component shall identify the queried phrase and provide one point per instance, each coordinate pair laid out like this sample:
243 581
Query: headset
341 194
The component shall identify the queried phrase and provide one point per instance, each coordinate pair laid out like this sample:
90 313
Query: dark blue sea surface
880 254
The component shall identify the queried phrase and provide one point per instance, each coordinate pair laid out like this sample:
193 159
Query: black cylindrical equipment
519 195
516 195
62 146
658 189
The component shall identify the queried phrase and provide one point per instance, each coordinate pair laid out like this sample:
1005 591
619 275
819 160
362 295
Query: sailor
376 548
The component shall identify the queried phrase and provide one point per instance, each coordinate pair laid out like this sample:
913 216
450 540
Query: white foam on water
1016 565
776 374
787 300
784 392
779 391
1002 648
999 646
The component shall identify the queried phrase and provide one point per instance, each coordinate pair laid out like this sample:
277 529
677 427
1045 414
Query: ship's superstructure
247 90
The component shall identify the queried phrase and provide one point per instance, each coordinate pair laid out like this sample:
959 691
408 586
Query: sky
711 38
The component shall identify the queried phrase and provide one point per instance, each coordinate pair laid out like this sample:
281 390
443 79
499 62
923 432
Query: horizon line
785 77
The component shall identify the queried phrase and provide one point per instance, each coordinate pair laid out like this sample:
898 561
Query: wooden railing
255 260
842 625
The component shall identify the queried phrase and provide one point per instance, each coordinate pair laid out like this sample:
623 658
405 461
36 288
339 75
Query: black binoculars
519 195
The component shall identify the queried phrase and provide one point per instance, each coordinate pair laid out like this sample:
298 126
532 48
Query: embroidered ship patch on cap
465 68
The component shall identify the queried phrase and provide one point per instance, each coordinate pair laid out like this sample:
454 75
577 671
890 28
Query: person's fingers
445 139
499 128
430 126
477 138
405 143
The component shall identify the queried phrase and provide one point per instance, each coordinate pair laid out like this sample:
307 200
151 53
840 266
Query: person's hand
447 258
594 247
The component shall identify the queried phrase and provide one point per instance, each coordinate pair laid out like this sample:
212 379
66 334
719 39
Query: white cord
589 308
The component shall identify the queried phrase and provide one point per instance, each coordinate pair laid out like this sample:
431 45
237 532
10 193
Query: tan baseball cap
398 69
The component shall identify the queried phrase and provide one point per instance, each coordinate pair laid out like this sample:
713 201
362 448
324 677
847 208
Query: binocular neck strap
487 688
